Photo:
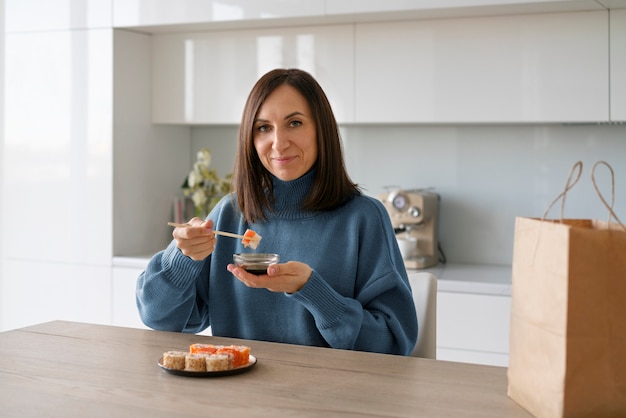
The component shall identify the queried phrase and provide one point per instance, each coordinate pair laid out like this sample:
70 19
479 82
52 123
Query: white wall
486 175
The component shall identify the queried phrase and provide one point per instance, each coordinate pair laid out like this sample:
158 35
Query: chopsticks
226 234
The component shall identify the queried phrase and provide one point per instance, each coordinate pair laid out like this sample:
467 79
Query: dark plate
228 372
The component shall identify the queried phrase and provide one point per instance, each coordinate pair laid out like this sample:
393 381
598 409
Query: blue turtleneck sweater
358 296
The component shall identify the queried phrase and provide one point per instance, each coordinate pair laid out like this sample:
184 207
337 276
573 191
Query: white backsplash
486 175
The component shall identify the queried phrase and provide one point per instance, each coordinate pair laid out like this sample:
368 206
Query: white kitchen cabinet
57 177
521 68
124 306
37 15
155 16
452 8
205 77
618 65
39 291
473 328
126 270
613 4
71 136
132 13
58 147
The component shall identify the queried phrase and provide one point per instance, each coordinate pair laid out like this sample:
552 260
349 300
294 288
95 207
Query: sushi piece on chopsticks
248 239
251 239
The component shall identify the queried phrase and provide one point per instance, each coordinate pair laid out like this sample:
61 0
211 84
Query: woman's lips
282 160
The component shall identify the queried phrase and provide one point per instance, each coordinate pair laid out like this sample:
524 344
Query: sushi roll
218 362
174 360
195 362
240 353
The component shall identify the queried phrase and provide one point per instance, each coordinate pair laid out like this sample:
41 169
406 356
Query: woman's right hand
197 240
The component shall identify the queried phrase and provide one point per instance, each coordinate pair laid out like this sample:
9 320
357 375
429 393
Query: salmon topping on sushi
251 239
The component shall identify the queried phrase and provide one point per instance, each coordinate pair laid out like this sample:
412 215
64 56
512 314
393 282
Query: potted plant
203 186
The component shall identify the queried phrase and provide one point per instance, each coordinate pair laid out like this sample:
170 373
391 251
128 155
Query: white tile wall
486 175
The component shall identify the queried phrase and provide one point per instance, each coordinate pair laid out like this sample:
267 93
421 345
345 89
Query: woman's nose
280 140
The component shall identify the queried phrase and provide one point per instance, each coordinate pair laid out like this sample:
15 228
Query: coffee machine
415 218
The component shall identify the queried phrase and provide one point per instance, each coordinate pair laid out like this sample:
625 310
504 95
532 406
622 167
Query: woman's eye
262 128
295 123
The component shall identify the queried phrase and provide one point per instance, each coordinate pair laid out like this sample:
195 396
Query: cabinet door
473 328
128 13
618 65
58 147
206 77
446 8
526 68
125 312
37 15
35 292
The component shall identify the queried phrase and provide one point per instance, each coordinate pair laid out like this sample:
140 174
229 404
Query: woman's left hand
287 277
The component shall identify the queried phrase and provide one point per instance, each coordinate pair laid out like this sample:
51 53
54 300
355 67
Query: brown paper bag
568 316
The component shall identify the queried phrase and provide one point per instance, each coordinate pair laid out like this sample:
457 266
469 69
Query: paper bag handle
577 169
612 214
577 166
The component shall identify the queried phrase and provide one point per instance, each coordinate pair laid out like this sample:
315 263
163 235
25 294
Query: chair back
424 287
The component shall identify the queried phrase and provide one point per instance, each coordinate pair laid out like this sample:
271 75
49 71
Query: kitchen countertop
480 279
138 261
472 278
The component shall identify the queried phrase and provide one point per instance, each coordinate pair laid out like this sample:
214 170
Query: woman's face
284 134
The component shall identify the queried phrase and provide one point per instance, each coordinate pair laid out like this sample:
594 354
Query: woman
341 281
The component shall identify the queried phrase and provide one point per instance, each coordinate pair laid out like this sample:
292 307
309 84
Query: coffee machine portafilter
415 218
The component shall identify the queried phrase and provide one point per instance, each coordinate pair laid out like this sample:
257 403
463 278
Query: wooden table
75 369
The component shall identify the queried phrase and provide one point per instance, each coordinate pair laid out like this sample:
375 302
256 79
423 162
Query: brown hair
331 187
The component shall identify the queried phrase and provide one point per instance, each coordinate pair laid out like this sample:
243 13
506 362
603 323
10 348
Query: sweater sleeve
166 292
380 319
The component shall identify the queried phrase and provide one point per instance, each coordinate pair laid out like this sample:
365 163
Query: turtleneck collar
289 196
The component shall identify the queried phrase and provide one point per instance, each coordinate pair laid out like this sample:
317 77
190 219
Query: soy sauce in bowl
255 263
